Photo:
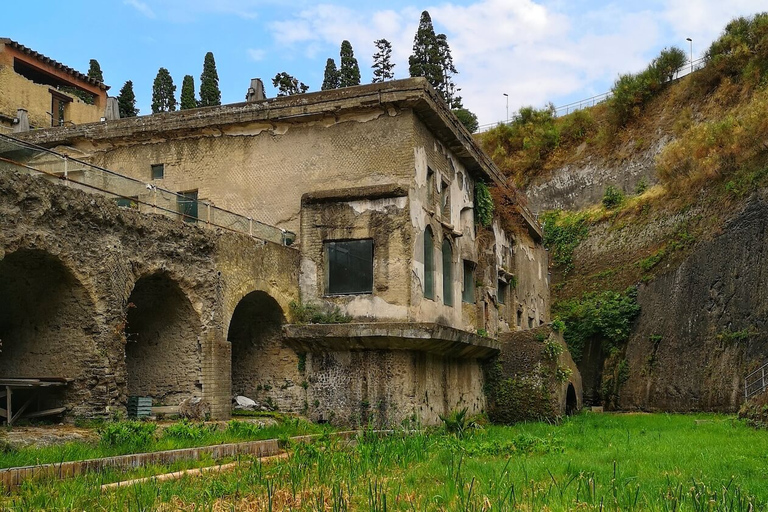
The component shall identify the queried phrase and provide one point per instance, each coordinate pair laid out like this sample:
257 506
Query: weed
317 314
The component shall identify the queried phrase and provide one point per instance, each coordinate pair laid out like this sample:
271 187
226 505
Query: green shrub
483 204
244 429
562 234
552 350
575 126
134 433
186 430
558 325
317 314
612 197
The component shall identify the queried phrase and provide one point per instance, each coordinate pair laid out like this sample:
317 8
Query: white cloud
256 55
141 7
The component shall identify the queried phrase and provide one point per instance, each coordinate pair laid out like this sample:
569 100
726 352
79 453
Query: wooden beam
47 412
23 408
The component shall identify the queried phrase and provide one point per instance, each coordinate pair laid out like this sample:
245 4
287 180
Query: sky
535 51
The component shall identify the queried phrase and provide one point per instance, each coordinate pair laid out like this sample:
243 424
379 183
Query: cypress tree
349 73
447 88
188 93
163 90
331 76
126 101
209 83
382 65
425 59
288 85
94 70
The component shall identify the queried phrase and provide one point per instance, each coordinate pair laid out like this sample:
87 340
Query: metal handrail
758 383
207 212
569 108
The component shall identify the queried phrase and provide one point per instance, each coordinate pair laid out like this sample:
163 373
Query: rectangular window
187 205
430 188
501 294
468 293
128 202
445 202
350 267
158 171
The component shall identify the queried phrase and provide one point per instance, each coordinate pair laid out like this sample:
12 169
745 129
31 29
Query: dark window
187 205
128 202
430 187
519 317
447 273
350 266
158 171
502 292
468 294
429 264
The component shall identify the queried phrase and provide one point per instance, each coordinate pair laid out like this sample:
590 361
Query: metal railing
569 108
19 156
756 381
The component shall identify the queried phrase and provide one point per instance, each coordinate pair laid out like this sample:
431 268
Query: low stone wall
532 378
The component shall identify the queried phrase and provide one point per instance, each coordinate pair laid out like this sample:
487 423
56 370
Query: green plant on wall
483 204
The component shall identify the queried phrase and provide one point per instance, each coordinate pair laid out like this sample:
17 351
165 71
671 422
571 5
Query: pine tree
94 70
288 85
163 90
382 65
349 72
188 93
209 83
425 60
331 76
447 89
126 101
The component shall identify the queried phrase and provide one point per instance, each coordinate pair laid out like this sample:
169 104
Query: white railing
756 381
569 108
16 155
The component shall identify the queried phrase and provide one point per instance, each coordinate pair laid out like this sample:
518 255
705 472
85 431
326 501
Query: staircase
756 382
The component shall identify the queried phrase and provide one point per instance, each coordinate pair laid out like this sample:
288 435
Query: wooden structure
37 388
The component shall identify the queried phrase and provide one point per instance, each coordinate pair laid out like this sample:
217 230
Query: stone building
378 183
38 92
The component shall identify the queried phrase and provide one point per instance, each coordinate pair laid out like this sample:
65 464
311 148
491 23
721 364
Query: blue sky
536 51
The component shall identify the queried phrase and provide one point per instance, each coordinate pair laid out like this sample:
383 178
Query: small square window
158 171
468 293
128 202
349 266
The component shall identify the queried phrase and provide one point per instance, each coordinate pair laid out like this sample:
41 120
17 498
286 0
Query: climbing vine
483 204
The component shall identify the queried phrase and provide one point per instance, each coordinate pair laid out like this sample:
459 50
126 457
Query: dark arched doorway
162 352
571 401
47 330
257 348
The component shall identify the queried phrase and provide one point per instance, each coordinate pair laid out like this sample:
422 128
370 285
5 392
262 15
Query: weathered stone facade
387 165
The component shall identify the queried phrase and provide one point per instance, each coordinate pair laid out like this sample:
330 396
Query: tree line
431 58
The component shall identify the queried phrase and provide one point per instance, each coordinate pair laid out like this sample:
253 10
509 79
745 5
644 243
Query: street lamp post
691 42
507 96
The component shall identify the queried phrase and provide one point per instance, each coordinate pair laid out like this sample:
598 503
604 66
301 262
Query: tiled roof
55 64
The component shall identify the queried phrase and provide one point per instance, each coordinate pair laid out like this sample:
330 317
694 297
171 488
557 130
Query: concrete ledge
423 337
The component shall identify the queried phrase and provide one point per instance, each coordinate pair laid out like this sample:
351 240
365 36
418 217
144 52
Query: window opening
445 202
468 293
350 266
187 205
447 273
429 264
128 202
430 187
501 294
158 171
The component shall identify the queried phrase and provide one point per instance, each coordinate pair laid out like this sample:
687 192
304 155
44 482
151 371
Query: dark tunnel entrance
48 331
571 401
256 337
162 352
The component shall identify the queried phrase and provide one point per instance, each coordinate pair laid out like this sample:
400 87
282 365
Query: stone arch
429 263
162 352
255 332
571 401
48 328
448 271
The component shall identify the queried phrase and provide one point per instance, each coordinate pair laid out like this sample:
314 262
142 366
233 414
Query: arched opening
47 330
429 264
162 351
255 332
571 402
447 273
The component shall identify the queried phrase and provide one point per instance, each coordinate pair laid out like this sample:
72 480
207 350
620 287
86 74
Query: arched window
447 273
429 264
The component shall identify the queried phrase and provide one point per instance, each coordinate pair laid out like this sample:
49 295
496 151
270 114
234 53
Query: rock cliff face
704 325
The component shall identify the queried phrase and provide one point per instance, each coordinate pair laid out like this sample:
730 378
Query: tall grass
590 462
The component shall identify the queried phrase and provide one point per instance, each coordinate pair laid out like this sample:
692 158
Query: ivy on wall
483 204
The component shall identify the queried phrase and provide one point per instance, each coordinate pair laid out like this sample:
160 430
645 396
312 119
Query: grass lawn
590 462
